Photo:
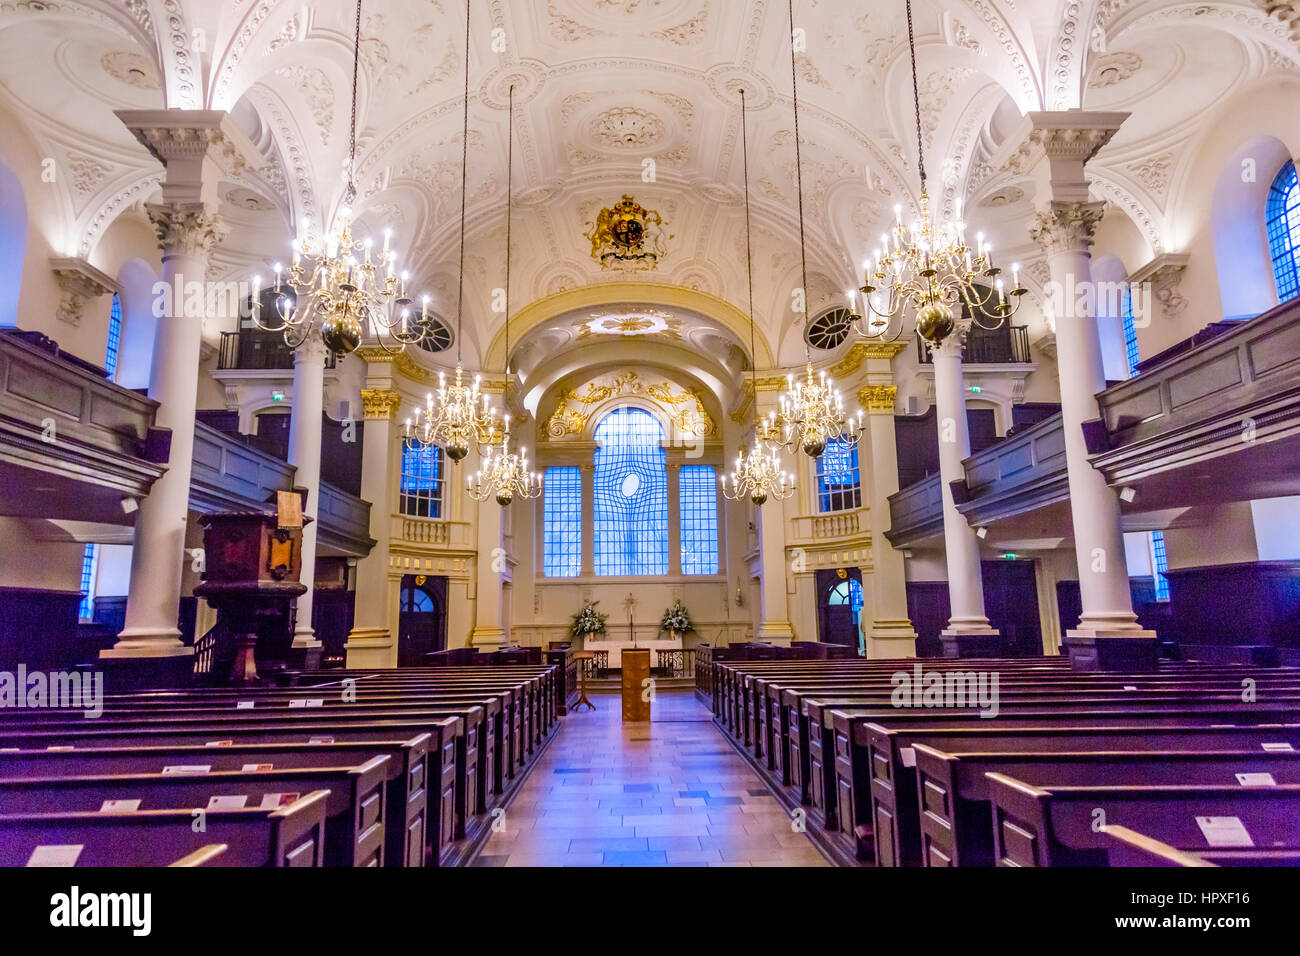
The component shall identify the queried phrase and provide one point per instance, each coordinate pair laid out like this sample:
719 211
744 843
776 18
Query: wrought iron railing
999 347
255 350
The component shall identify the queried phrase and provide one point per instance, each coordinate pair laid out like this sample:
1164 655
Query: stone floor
672 792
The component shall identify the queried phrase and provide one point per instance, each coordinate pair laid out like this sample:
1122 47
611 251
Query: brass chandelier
506 477
757 475
812 408
345 288
453 415
930 267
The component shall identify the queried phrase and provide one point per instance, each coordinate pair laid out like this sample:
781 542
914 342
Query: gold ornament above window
627 236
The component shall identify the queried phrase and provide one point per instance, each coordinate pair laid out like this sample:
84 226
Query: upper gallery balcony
73 445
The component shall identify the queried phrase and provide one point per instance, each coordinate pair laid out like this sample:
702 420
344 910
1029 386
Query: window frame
1282 226
433 496
846 496
561 527
632 545
698 519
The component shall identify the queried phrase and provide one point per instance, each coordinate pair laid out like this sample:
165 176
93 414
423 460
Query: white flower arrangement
588 621
676 619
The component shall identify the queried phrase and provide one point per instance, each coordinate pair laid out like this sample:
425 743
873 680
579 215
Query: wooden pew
203 856
1057 825
1130 848
952 791
354 810
292 835
880 795
453 762
409 773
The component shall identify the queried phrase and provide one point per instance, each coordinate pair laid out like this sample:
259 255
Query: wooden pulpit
636 692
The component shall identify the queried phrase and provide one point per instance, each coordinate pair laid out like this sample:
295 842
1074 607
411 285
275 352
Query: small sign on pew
245 704
908 756
308 702
56 855
1224 831
320 740
256 767
1256 780
271 801
1283 747
188 768
119 806
233 802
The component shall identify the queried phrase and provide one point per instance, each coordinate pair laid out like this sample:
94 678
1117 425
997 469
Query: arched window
838 487
846 592
630 487
1283 222
421 481
1130 332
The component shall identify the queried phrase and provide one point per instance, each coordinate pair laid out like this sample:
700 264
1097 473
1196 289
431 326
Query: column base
970 641
370 647
134 669
487 638
304 654
1124 649
778 633
891 639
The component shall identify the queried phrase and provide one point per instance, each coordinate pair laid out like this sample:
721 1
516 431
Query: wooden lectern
636 670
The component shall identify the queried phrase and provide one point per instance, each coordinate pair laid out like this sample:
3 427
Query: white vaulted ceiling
603 86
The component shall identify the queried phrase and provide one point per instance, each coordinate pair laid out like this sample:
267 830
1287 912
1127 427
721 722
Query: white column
490 571
1065 232
1053 151
198 148
888 632
304 455
372 642
968 631
772 520
187 233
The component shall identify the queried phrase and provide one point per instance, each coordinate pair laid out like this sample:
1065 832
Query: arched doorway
422 618
839 607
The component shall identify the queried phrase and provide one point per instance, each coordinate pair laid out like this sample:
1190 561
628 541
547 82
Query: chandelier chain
350 194
916 97
510 199
798 172
749 248
464 177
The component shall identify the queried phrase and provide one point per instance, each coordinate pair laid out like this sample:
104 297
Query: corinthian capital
186 229
1066 226
878 399
380 403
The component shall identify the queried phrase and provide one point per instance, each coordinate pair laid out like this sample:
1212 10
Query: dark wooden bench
409 773
1057 825
293 835
953 797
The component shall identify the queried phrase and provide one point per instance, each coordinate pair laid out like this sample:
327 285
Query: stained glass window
631 495
87 609
697 487
838 488
1283 225
421 481
562 523
1160 564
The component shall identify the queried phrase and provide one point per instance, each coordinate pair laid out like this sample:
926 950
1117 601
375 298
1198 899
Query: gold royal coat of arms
627 236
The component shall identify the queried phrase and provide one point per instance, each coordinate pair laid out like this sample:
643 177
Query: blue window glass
697 487
631 495
838 487
421 480
1130 332
846 592
1161 565
1282 220
562 523
114 337
87 609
